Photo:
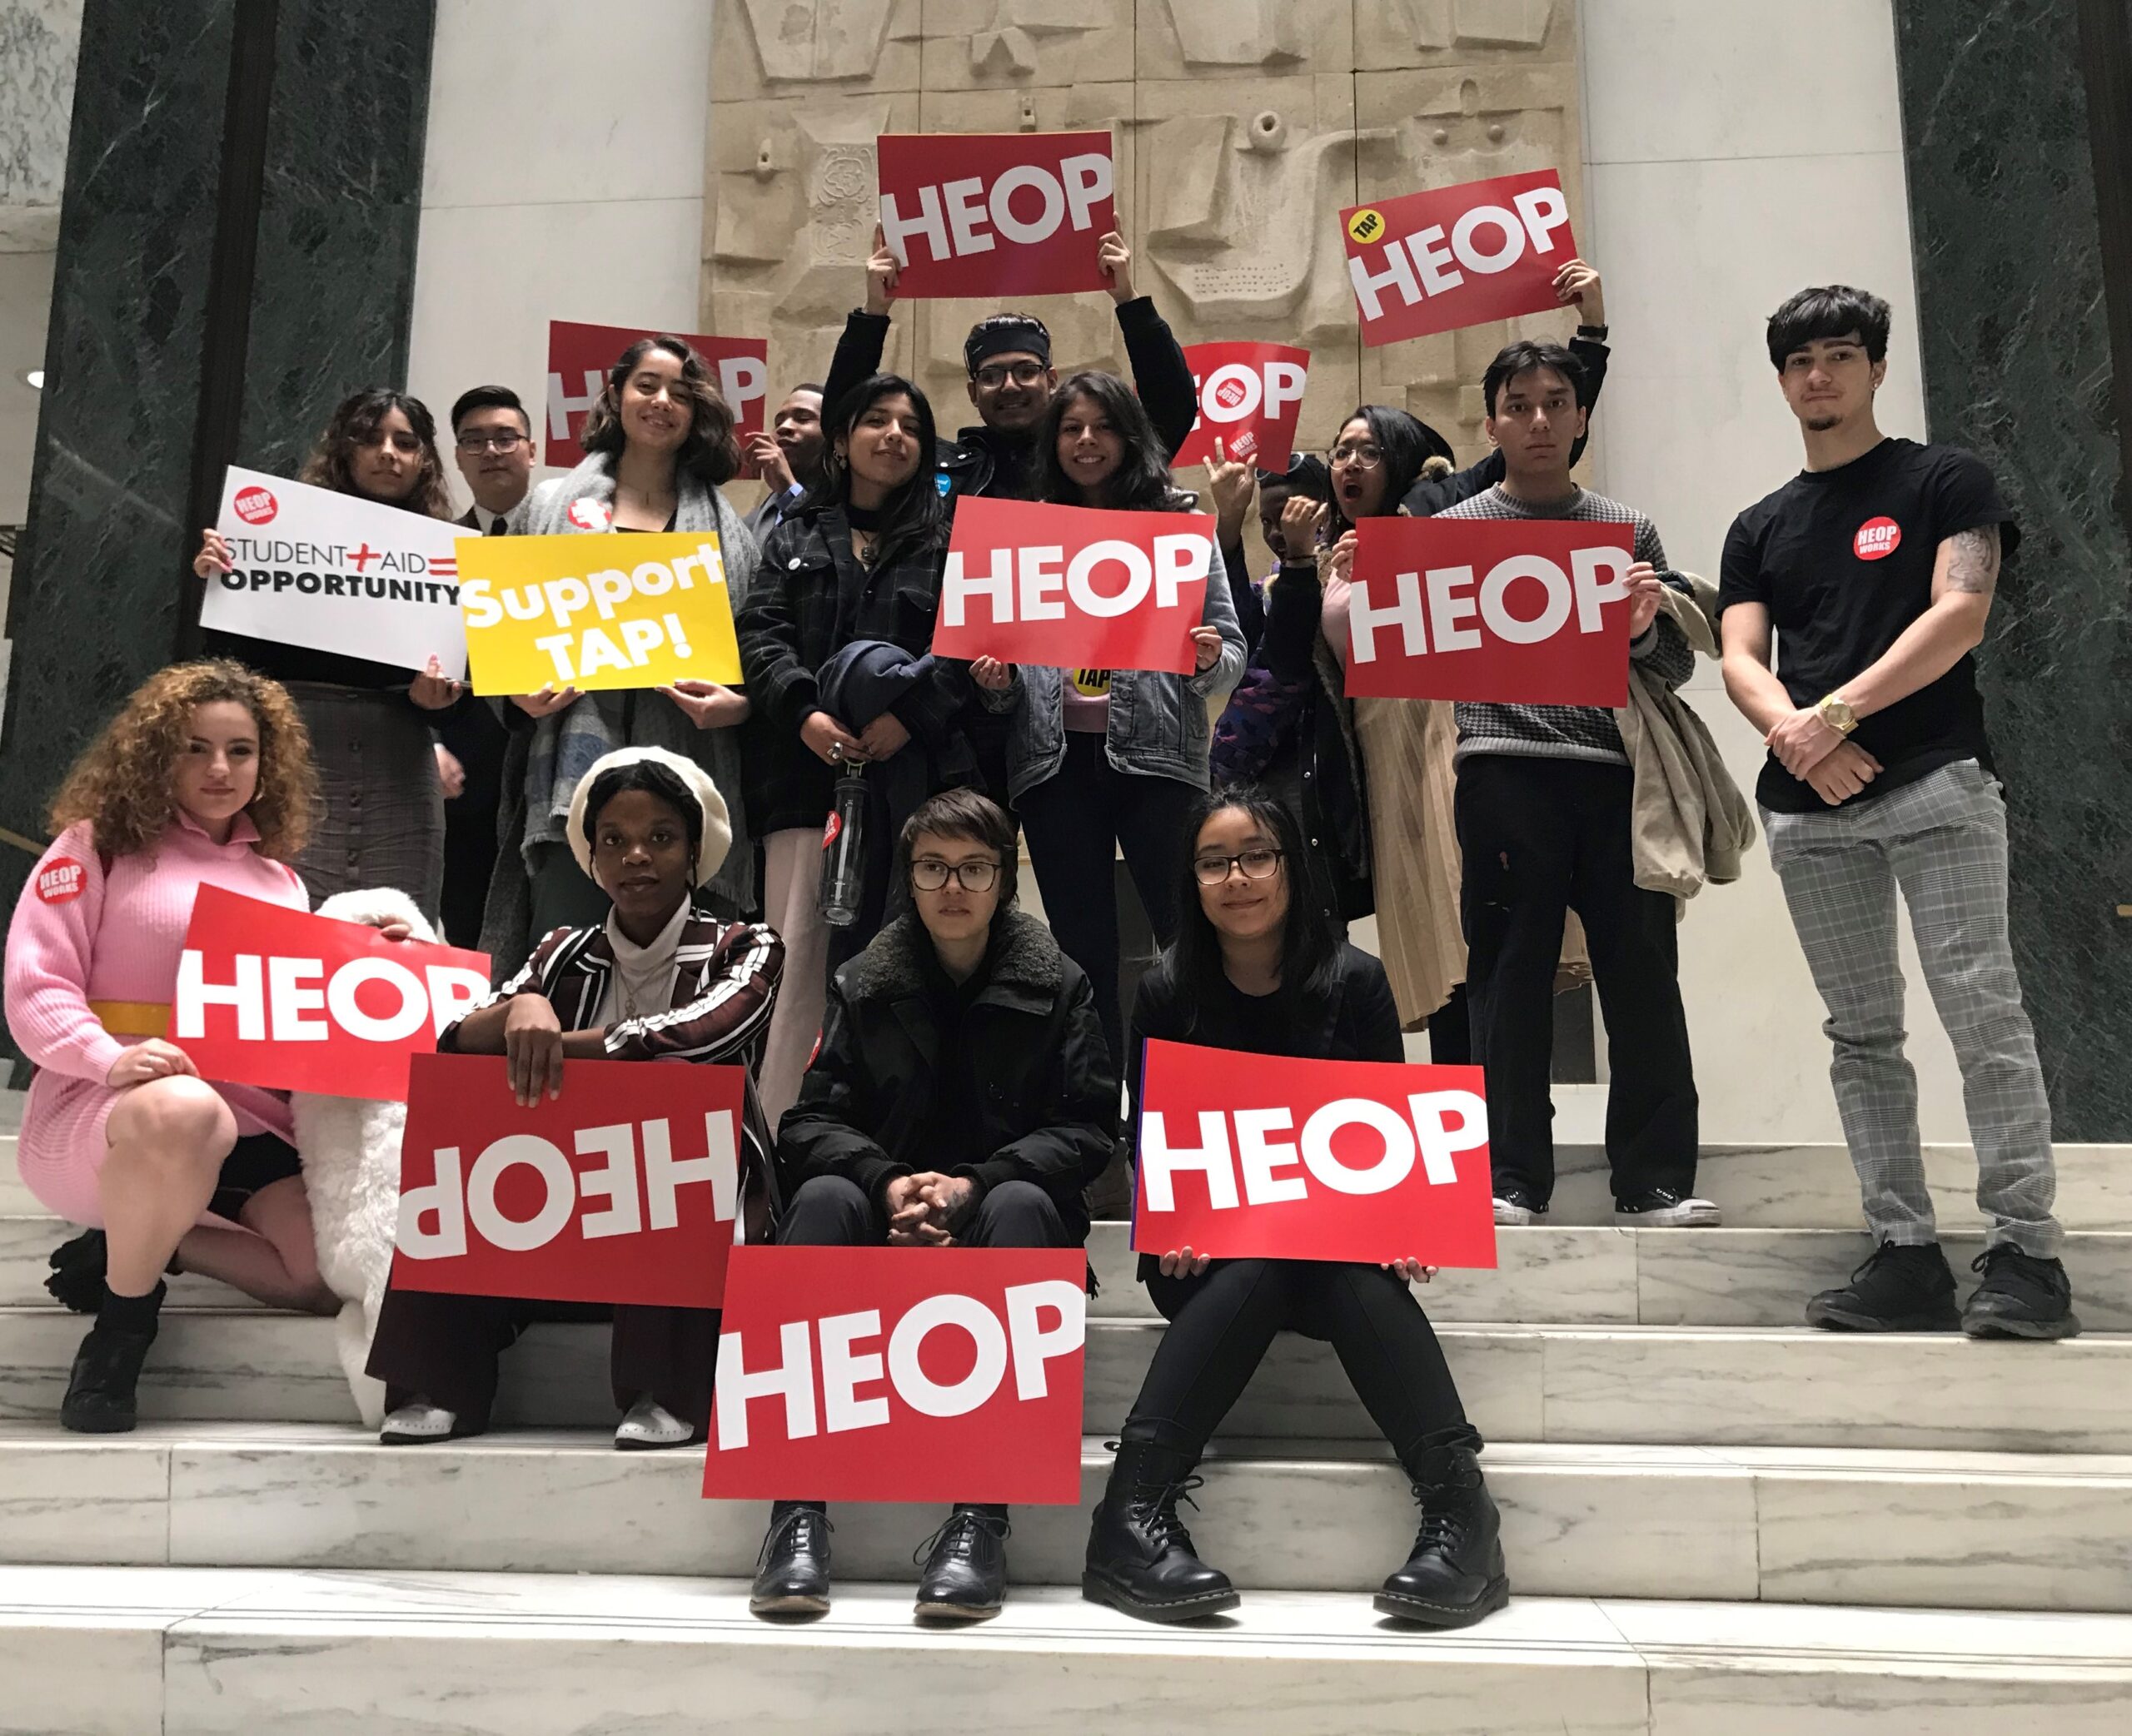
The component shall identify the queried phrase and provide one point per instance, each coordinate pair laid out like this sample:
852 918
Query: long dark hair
1310 943
1141 482
711 453
355 423
915 516
1407 443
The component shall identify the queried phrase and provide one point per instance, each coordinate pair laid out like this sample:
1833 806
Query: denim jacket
1160 725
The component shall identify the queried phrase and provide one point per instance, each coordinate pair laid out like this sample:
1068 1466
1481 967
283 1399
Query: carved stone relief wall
1241 127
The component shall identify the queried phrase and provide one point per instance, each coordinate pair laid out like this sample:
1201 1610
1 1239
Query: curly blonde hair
125 785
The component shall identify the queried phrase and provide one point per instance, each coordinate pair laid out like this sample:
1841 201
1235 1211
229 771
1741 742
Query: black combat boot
965 1577
792 1573
107 1367
1455 1575
1140 1556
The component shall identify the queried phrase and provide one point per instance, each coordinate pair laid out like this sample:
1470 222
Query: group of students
946 1070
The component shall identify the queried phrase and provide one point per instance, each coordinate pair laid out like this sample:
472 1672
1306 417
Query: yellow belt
133 1018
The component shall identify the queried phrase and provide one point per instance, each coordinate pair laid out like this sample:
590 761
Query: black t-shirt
1843 561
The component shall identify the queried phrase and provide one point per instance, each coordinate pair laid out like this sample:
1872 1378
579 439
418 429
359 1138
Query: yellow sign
1366 225
595 612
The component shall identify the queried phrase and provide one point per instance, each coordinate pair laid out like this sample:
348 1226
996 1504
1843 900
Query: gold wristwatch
1836 712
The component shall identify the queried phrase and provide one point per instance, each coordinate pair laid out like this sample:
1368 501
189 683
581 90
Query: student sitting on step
204 778
662 979
962 1096
1257 966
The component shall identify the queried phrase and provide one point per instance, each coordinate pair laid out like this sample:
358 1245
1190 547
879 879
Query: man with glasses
961 1096
1008 356
493 436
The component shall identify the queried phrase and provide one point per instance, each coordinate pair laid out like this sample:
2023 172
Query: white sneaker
417 1422
1662 1209
649 1427
1514 1208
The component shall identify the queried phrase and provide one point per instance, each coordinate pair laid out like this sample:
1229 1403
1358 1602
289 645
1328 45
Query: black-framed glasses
1256 864
1366 454
995 375
507 440
928 874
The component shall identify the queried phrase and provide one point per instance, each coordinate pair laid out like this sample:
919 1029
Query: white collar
630 956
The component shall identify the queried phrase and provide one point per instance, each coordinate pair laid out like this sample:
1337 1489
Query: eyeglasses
1366 455
1023 373
506 441
1261 865
928 874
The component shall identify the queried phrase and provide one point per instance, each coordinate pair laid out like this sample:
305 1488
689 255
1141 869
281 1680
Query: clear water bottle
843 843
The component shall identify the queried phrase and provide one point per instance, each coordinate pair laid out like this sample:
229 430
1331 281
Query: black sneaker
1514 1204
2020 1296
1897 1290
1661 1208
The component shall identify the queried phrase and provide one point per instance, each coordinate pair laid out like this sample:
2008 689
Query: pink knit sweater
81 933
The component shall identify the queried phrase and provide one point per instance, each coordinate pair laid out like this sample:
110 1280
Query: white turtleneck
642 981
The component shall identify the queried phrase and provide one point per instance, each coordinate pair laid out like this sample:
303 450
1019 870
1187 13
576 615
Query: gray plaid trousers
1943 841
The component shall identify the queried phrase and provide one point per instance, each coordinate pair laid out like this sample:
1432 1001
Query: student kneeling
660 980
962 1096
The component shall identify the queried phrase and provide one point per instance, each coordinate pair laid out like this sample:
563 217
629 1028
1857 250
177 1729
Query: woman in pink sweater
204 778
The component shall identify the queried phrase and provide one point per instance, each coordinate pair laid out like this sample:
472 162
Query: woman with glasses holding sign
1259 967
1105 760
381 820
962 1096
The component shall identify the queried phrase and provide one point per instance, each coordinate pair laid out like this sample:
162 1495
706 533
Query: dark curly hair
1141 482
355 424
711 453
125 785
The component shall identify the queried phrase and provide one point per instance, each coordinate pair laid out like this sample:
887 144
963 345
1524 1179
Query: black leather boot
965 1577
792 1573
1456 1574
1140 1556
107 1367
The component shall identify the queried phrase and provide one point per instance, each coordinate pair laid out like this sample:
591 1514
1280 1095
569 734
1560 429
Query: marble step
1780 1524
1698 1386
200 1652
25 1246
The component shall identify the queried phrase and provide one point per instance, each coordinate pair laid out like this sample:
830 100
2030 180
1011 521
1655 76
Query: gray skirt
381 821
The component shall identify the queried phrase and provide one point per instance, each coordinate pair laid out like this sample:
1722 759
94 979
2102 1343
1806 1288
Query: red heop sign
1525 612
996 213
274 997
1250 398
1260 1157
579 357
899 1374
1458 256
624 1189
1071 587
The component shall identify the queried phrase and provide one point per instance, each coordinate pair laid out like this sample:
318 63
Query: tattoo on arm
1974 564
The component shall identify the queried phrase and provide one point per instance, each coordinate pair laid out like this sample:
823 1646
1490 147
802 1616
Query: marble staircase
1718 1521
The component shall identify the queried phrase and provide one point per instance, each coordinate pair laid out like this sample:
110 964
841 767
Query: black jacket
1432 493
977 462
1048 1111
1352 1019
812 597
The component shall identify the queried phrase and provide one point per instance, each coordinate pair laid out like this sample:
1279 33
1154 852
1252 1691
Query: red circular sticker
830 831
60 880
1230 394
588 514
255 505
1877 538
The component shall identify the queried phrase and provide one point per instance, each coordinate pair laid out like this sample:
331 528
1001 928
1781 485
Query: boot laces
1153 1506
791 1523
958 1534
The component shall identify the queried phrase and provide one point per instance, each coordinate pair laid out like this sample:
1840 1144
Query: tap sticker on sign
579 356
899 1374
278 997
1072 587
1512 612
626 1188
996 213
1262 1156
335 572
1458 256
550 609
1250 398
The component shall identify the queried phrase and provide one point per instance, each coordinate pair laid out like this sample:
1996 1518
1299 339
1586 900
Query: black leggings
1221 1324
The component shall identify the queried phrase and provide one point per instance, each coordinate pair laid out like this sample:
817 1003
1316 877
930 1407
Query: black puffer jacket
1046 1110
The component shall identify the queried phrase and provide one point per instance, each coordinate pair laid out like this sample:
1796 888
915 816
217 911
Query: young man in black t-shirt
1875 568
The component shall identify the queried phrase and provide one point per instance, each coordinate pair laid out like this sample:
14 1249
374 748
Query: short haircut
489 397
1829 310
968 815
805 385
1524 355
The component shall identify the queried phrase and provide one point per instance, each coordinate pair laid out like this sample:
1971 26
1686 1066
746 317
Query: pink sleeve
49 944
1332 617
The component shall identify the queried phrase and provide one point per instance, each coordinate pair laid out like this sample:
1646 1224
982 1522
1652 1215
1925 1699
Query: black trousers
1222 1322
1540 837
1076 820
444 1348
829 1211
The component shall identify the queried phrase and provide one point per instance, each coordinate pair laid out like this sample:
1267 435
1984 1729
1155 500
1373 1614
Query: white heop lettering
951 218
